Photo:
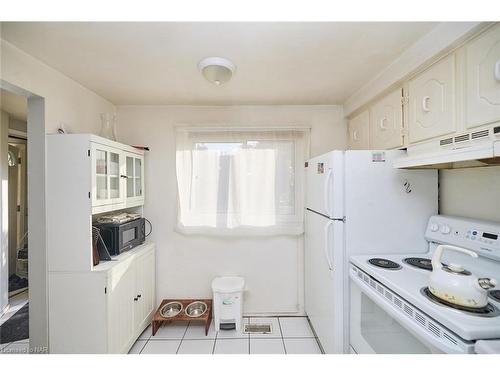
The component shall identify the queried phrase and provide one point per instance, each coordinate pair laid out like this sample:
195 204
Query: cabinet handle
355 135
139 296
382 124
425 103
136 299
123 176
497 71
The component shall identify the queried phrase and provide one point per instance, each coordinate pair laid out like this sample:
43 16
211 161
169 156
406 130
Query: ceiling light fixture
216 70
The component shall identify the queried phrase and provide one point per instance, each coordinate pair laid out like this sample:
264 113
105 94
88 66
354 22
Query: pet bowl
196 309
171 309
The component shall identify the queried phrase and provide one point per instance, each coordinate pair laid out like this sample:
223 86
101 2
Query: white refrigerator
357 203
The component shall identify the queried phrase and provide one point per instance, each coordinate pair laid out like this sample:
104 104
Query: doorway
14 322
18 215
27 142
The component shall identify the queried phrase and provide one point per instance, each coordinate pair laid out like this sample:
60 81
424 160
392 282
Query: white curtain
235 181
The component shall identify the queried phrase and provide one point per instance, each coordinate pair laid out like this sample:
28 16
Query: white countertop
105 266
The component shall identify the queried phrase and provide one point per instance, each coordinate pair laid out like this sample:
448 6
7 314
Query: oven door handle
424 335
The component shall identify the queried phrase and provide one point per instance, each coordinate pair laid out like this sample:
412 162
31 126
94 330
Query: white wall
473 192
59 100
66 101
272 267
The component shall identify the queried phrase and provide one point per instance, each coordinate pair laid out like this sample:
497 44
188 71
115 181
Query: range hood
476 149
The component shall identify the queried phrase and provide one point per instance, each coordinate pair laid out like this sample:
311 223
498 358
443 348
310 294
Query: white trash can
228 301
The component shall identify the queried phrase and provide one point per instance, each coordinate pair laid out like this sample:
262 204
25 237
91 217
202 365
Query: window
236 182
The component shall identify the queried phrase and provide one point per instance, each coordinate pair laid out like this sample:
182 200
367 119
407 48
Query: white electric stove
391 311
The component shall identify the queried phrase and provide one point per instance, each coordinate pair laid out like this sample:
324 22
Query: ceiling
16 106
277 63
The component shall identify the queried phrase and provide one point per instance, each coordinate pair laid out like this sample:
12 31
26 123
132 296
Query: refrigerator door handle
326 192
327 244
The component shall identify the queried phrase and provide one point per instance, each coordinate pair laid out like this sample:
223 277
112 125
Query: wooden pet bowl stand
158 320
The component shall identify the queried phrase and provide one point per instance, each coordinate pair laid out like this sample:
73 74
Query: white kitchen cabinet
134 179
121 301
111 173
144 288
75 164
432 100
117 177
386 122
107 167
104 310
359 132
482 77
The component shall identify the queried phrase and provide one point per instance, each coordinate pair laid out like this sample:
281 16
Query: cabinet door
359 132
134 167
145 289
483 79
386 122
432 101
121 304
107 170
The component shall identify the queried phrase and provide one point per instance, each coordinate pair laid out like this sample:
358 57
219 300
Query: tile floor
290 335
17 347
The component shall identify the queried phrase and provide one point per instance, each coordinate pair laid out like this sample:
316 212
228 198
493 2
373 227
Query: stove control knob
445 229
434 227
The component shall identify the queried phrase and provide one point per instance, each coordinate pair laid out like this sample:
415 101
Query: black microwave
122 237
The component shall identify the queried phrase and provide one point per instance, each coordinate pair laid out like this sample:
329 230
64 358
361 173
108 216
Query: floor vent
258 328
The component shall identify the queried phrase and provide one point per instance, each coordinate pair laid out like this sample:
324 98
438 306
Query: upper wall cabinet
432 101
483 79
359 132
386 122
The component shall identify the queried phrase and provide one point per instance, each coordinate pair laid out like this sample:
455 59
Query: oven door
377 326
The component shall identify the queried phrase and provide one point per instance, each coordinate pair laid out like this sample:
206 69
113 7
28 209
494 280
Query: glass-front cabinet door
134 166
107 165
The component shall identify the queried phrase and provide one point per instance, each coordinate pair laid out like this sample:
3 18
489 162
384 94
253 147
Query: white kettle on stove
454 284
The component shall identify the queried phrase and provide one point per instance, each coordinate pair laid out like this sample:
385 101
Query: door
121 306
432 101
18 213
373 331
145 282
107 167
386 122
359 132
324 176
134 176
483 79
319 278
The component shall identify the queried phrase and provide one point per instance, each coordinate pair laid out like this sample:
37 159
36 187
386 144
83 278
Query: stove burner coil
489 311
422 263
495 295
384 263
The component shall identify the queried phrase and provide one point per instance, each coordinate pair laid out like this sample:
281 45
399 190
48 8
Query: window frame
286 223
